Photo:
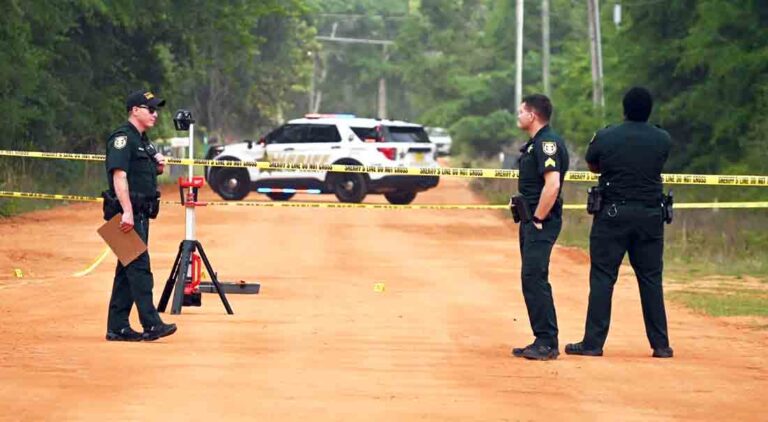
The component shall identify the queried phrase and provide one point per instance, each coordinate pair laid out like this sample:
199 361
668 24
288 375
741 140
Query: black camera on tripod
182 119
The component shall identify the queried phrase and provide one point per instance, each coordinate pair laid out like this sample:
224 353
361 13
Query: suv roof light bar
329 115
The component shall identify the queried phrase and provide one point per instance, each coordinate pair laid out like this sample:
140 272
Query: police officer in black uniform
629 158
132 167
543 163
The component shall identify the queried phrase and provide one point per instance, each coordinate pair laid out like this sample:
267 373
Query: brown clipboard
127 246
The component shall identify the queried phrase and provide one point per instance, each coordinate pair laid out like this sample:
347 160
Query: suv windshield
407 134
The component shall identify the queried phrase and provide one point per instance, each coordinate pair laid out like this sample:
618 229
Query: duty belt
147 205
635 202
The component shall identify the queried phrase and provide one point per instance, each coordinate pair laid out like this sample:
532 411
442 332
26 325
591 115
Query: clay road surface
318 343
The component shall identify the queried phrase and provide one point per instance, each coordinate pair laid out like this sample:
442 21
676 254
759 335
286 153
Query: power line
355 40
356 16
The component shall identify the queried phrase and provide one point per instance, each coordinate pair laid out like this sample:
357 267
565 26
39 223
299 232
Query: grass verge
724 304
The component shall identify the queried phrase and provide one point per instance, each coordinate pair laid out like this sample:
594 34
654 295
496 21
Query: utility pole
382 111
316 95
382 106
312 83
519 54
596 50
545 47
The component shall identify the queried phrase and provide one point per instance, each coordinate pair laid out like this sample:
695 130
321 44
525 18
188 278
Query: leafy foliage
67 66
704 60
240 65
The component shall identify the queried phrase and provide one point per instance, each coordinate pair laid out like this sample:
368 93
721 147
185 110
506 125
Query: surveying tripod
182 120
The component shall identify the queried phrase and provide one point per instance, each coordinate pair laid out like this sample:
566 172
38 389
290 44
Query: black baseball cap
143 97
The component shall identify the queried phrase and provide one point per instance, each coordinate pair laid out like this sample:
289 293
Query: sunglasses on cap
150 109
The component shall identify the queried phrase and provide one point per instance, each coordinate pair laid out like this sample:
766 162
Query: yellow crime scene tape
95 263
573 176
82 273
317 205
296 204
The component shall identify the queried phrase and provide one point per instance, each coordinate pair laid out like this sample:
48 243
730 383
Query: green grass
729 303
86 178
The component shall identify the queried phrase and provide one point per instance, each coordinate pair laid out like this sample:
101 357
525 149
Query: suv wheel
231 184
280 196
400 198
349 187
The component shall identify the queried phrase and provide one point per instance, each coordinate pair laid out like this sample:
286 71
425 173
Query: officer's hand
538 226
160 162
126 222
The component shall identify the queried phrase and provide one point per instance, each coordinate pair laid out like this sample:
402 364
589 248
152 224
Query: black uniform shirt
127 150
630 157
544 152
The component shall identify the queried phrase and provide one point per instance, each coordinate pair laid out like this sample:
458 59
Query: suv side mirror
250 143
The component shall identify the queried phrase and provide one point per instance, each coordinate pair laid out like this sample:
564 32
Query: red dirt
318 343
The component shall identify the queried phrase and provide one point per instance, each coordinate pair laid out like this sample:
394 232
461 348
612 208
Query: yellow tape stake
95 263
574 176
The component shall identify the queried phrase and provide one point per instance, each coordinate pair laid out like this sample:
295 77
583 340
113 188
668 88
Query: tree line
243 66
67 66
453 65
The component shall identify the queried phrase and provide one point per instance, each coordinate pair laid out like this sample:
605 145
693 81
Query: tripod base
178 277
240 287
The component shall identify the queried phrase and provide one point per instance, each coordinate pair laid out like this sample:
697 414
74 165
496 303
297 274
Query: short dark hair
638 104
540 104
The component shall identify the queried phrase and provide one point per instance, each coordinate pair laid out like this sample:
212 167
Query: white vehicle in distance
440 137
329 139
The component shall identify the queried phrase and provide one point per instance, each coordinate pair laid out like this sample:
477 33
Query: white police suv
329 139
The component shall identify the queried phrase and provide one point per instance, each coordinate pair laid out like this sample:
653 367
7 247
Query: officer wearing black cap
132 167
543 163
629 158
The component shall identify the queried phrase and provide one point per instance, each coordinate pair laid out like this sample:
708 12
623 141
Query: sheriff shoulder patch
549 147
120 142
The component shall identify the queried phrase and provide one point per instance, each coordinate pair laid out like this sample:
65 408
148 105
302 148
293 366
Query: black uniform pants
535 250
133 284
616 230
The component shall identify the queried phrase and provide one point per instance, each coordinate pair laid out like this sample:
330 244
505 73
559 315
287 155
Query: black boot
518 351
541 352
579 349
663 352
125 334
156 331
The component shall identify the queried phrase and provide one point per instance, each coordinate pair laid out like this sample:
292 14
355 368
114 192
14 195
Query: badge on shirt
530 148
549 147
120 142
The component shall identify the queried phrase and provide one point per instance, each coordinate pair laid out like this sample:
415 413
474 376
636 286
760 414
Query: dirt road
318 343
